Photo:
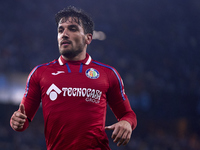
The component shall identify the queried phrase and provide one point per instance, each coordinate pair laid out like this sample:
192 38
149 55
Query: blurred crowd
154 45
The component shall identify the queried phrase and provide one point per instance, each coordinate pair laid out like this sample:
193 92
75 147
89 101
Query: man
74 91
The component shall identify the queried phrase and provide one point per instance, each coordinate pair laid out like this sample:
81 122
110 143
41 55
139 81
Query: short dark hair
83 17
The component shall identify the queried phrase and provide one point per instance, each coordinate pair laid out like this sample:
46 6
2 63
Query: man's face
71 38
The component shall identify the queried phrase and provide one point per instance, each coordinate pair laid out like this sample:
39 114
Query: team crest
92 73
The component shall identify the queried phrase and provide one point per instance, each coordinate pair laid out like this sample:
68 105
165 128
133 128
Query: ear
88 38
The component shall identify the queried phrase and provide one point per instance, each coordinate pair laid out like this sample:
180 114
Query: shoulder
111 73
104 66
45 65
115 80
39 69
107 68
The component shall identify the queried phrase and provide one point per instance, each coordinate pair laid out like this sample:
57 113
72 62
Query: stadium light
99 35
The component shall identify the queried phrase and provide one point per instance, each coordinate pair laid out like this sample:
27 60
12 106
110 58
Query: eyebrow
71 25
60 27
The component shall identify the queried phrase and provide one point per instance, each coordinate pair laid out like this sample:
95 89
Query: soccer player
74 91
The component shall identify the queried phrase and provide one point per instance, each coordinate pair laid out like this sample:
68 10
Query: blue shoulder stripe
120 83
32 72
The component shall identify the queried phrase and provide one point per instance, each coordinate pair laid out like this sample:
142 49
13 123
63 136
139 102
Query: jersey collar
86 61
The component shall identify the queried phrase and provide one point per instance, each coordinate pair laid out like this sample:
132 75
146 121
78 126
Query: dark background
154 45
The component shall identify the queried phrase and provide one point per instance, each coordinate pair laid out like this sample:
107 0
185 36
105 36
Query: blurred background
154 45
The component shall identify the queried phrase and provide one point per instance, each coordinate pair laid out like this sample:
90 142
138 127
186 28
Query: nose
65 34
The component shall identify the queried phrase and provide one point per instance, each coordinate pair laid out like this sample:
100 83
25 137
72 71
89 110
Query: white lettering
84 91
92 100
64 91
91 95
98 94
69 92
88 92
79 92
74 91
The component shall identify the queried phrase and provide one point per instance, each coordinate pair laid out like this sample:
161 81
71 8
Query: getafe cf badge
92 73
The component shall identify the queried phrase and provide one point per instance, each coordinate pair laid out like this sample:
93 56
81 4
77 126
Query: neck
79 57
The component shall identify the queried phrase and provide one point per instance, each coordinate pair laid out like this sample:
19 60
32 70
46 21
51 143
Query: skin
72 43
18 118
121 132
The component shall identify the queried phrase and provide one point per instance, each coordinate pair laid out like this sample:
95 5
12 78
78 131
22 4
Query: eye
73 28
60 30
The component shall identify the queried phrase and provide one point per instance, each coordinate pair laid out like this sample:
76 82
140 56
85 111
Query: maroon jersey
74 96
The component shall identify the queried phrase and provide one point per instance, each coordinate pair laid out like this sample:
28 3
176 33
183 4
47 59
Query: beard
72 52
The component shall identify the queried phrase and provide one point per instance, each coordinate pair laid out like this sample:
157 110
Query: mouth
65 42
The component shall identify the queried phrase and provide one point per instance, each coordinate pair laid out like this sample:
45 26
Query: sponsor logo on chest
90 95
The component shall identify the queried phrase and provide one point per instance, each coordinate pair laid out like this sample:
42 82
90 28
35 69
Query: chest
74 81
77 76
80 91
